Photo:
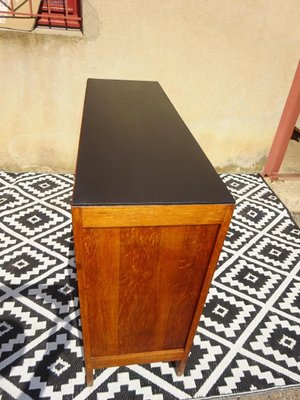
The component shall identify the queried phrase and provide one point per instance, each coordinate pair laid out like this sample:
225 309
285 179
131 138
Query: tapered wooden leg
180 367
89 376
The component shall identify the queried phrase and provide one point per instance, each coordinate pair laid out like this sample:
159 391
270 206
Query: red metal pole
67 12
49 12
12 7
30 7
285 128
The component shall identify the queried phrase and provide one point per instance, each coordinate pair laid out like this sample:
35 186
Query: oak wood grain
210 269
143 285
102 285
142 288
195 254
81 275
137 358
152 215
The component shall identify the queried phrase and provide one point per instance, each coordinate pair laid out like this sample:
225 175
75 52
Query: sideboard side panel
217 247
81 276
143 285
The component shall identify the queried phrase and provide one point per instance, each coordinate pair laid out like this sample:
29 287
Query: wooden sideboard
150 215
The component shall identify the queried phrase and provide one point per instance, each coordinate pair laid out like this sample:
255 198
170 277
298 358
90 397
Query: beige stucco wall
226 65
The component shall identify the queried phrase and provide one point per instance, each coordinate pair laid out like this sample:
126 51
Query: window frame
63 14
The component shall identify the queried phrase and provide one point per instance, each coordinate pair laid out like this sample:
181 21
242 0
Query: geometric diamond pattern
11 199
264 195
244 375
279 341
205 354
18 325
59 241
63 201
9 178
24 264
52 370
237 237
44 185
33 221
287 230
238 184
254 215
7 240
248 338
225 314
275 253
57 293
251 279
127 386
290 300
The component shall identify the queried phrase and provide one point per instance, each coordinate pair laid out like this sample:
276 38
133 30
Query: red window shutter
60 13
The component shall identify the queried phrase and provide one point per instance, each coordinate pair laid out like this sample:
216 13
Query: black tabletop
135 149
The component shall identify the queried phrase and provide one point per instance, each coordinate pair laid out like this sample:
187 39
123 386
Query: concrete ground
279 394
289 190
289 194
275 394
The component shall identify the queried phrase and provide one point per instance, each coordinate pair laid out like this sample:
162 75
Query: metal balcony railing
51 13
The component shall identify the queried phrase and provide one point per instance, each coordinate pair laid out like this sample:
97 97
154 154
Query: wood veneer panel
210 269
81 275
143 285
137 358
195 254
139 276
152 215
102 287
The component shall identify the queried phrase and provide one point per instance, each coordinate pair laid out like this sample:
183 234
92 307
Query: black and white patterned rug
248 338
